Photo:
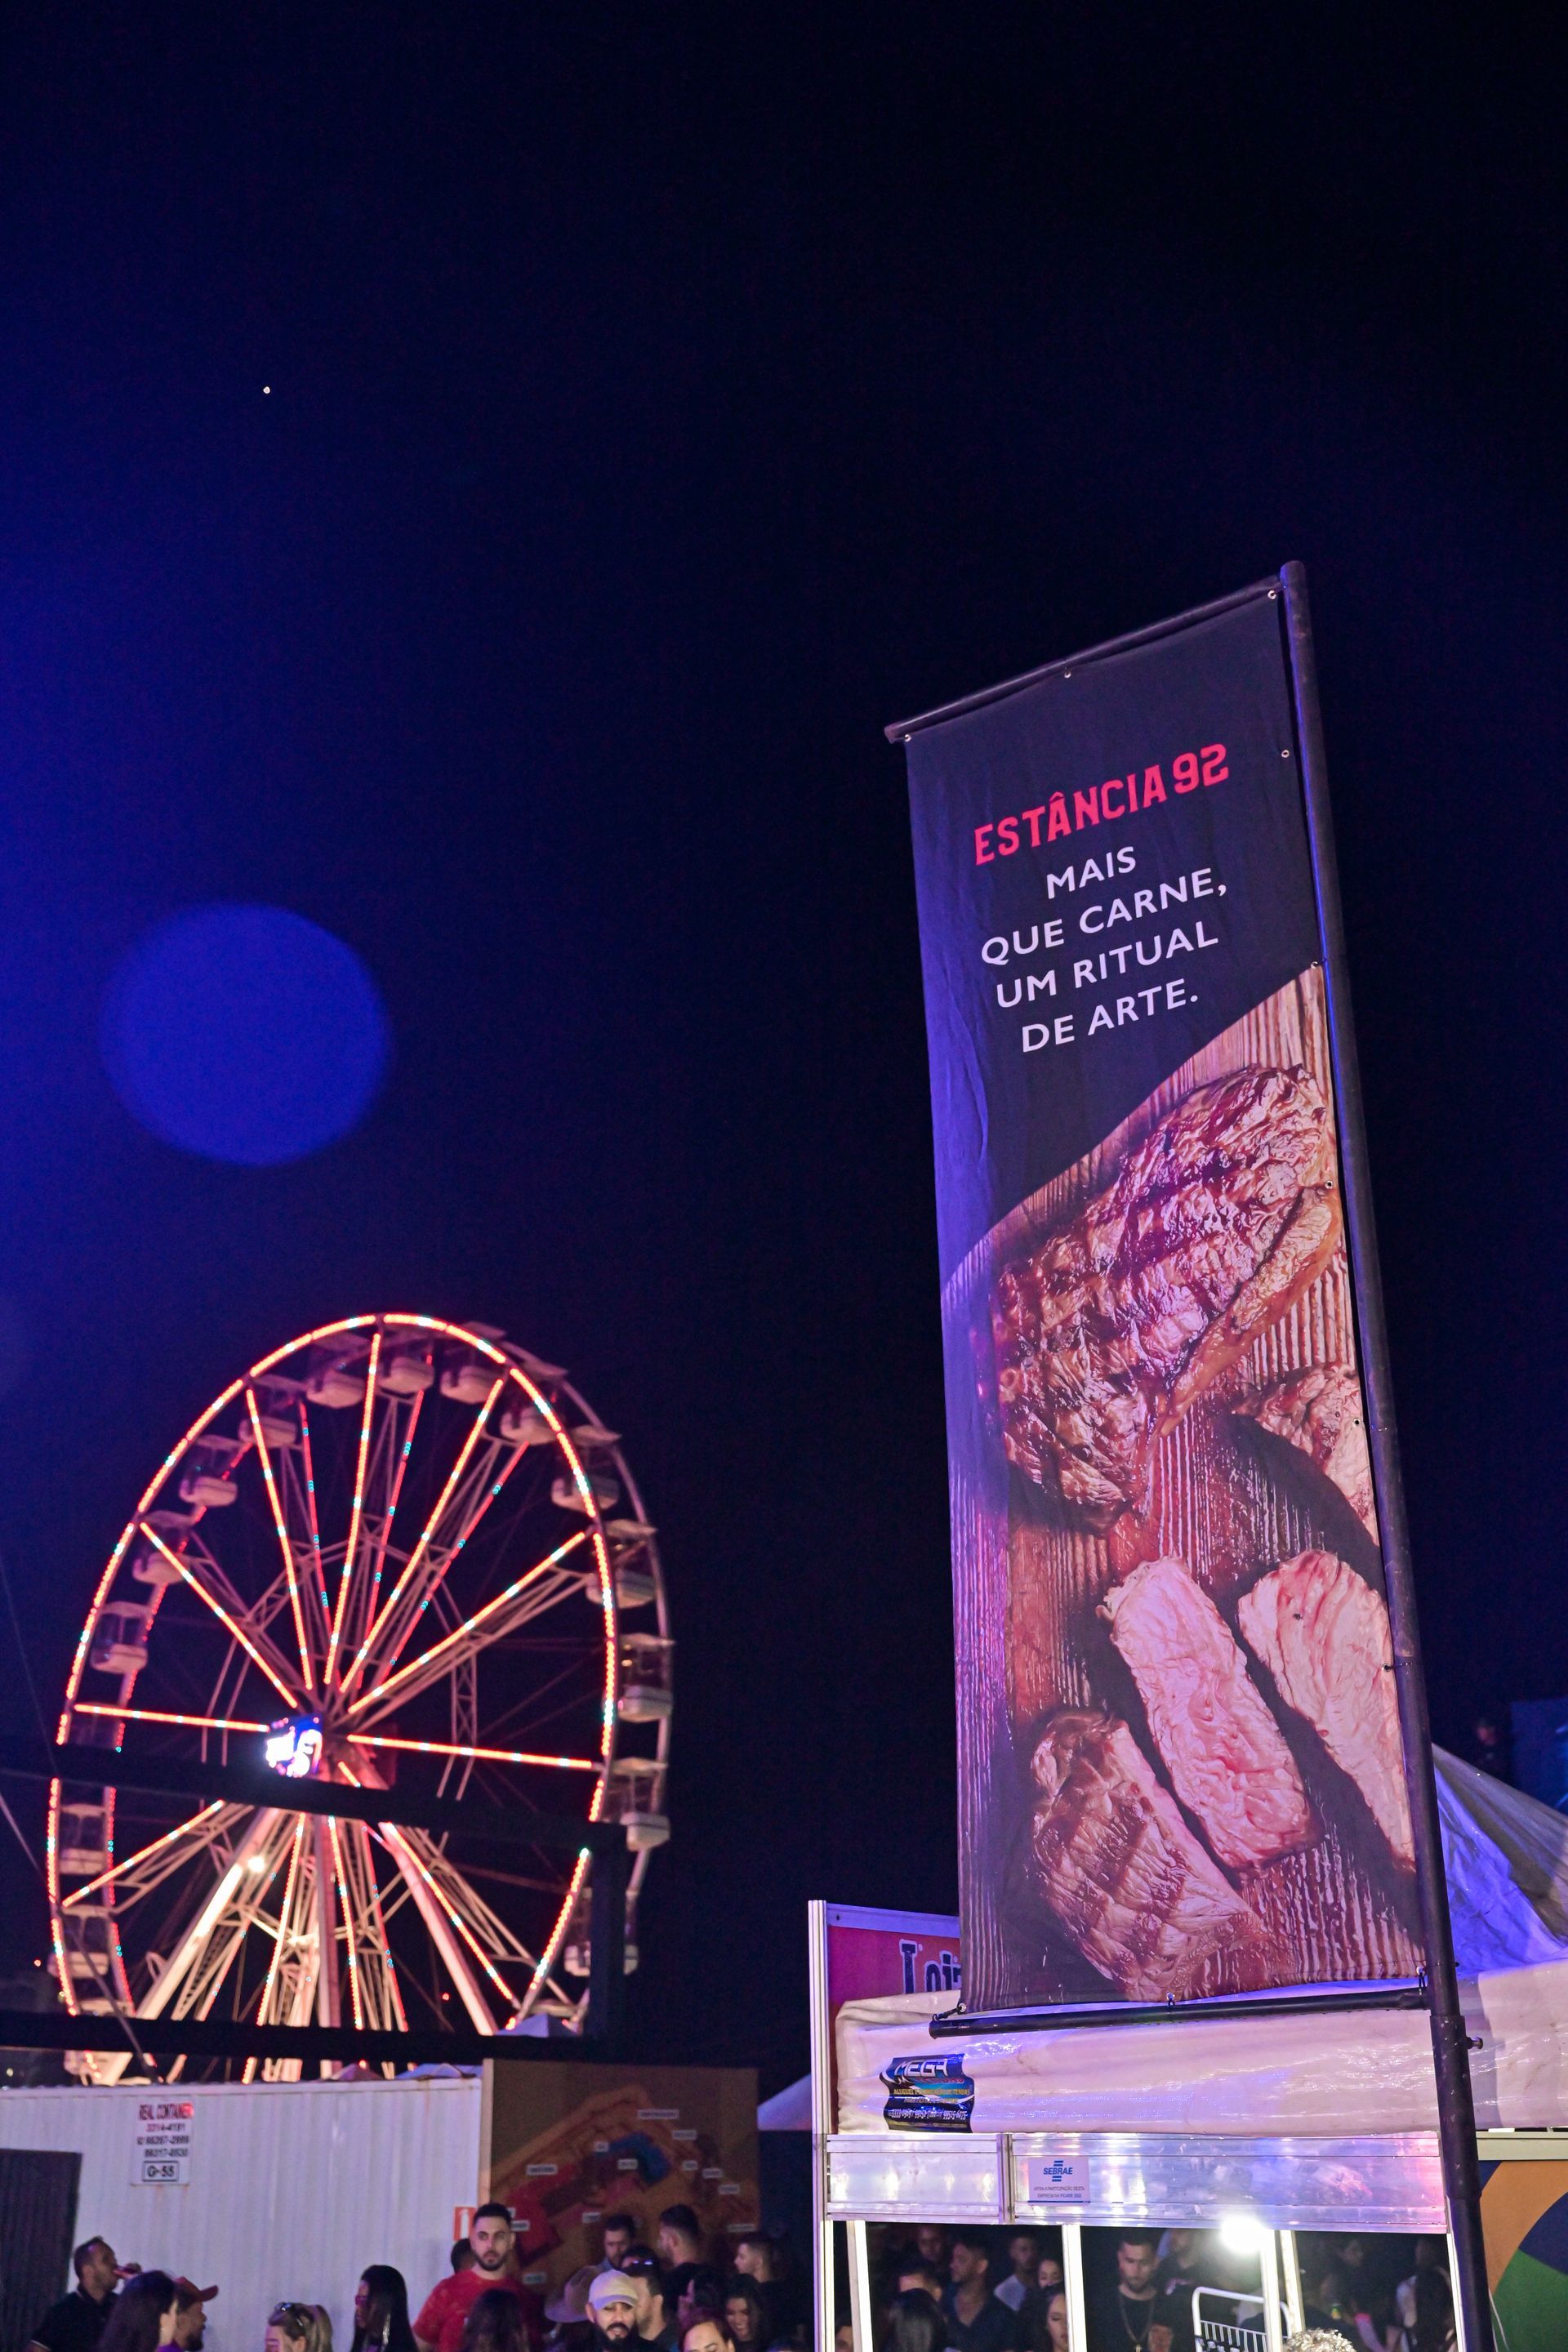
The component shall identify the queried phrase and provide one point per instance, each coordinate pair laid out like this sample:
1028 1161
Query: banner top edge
902 729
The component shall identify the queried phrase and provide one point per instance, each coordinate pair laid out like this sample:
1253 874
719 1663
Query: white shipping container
294 2186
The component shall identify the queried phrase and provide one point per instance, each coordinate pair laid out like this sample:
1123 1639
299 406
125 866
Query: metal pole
821 2124
861 2289
1456 2107
1269 2276
1072 2282
1291 2266
609 1873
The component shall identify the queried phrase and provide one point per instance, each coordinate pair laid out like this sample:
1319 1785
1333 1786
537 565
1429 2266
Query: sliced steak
1132 1886
1323 1635
1319 1411
1228 1760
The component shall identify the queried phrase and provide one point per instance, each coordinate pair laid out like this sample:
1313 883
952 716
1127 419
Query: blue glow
245 1033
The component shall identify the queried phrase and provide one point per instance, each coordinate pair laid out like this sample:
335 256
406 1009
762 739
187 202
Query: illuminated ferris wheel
399 1551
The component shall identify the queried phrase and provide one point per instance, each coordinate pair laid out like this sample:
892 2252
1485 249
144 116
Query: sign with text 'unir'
1180 1762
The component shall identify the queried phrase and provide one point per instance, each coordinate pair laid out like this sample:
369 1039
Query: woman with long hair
918 2325
495 2323
381 2311
142 2316
299 2327
745 2313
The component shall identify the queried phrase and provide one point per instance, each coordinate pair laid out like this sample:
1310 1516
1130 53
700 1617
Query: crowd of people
977 2290
936 2290
672 2296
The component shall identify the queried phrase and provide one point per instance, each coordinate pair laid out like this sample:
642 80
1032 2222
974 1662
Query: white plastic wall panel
933 2176
1170 2182
1353 2072
294 2186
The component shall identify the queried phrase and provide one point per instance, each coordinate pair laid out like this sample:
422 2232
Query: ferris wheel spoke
539 1588
188 1950
468 1506
243 1912
135 1877
251 1642
156 1715
378 1973
426 1537
480 1755
290 1567
445 1929
396 1454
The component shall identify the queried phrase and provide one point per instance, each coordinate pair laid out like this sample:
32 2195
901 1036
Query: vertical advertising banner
1180 1763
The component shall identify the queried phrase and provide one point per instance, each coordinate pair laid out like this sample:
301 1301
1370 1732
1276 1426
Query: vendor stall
1318 2116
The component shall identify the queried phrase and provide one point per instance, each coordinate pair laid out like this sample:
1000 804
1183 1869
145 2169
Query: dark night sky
663 398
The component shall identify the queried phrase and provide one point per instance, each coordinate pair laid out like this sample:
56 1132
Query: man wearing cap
613 2308
190 2314
78 2319
442 2322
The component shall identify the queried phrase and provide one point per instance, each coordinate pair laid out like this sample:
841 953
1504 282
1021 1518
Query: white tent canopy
1360 2071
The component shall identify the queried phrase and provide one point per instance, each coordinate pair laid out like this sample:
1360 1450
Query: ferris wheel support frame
601 1845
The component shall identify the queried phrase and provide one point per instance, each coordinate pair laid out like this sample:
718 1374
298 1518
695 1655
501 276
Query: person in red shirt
440 2325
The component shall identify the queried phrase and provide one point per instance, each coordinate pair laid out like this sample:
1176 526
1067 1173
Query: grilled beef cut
1126 1878
1106 1334
1323 1635
1319 1411
1228 1760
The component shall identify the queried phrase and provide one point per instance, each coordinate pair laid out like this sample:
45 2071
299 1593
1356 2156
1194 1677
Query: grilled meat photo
1228 1760
1125 1876
1323 1635
1106 1333
1319 1411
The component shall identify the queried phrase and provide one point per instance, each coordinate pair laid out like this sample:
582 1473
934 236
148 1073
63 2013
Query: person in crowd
142 2317
462 2255
1043 2321
656 2329
381 2309
1130 2315
1023 2255
1048 2275
76 2322
761 2258
680 2249
976 2322
570 2329
844 2337
703 2291
1430 2325
299 2327
1431 2254
918 2325
746 2314
705 2334
620 2235
1318 2340
440 2325
917 2278
932 2246
190 2315
495 2323
613 2308
1180 2263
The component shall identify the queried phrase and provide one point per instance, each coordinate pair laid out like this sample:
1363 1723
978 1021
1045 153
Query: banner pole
1455 2108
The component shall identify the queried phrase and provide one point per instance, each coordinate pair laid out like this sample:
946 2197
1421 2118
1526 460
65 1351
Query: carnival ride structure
398 1551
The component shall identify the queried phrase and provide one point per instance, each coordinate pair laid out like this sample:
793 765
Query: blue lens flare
245 1033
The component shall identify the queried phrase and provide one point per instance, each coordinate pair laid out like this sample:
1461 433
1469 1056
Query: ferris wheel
396 1551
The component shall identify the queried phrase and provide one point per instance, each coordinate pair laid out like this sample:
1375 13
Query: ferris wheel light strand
284 1545
426 1535
310 1511
156 1715
478 1755
290 1698
392 1500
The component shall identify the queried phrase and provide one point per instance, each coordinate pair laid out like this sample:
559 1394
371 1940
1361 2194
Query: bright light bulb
258 1863
1241 2234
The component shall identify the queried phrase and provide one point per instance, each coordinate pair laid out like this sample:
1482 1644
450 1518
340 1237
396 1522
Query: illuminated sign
294 1747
